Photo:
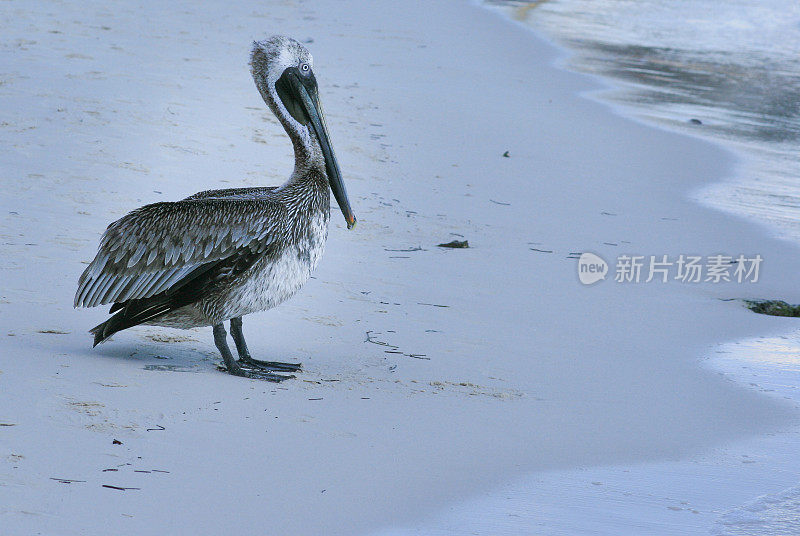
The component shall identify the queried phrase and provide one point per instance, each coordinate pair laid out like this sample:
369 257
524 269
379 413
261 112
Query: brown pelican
221 254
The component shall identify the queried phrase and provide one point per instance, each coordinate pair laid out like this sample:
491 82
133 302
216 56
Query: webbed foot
254 373
246 369
271 366
244 354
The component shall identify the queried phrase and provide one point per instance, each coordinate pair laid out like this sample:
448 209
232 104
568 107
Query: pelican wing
158 245
234 192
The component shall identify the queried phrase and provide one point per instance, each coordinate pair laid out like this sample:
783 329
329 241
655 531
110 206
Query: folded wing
154 247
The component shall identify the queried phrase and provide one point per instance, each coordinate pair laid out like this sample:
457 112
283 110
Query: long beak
305 91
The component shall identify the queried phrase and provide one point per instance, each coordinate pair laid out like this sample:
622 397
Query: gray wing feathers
153 247
234 192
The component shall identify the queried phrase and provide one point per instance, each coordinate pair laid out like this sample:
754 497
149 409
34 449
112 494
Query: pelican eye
304 67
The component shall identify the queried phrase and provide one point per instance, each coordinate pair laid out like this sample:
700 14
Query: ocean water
732 65
770 365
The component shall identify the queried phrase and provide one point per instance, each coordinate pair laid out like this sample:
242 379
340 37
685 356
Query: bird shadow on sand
175 356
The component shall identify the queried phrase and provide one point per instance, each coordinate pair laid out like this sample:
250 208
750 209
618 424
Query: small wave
777 514
770 365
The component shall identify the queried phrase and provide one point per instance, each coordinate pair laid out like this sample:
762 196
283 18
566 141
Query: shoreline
566 376
768 505
763 174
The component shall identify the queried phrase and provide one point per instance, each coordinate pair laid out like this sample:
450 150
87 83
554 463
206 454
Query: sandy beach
507 365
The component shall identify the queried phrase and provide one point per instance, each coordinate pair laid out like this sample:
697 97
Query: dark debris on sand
773 307
455 244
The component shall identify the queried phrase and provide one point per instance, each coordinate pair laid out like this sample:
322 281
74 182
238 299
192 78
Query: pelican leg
244 353
220 339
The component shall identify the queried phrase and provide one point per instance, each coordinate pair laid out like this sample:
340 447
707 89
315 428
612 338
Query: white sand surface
110 107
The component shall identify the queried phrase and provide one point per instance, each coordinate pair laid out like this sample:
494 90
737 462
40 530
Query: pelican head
283 72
